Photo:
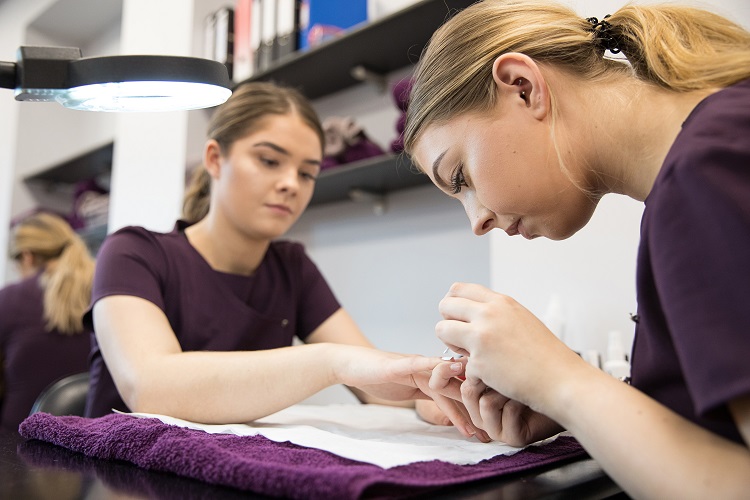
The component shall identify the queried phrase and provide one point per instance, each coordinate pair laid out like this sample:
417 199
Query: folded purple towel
255 463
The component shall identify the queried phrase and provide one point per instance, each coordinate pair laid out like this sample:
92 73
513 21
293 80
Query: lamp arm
7 75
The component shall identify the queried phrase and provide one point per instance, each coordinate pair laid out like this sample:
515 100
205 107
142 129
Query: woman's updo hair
240 115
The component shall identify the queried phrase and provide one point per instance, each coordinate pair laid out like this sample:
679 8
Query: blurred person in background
42 337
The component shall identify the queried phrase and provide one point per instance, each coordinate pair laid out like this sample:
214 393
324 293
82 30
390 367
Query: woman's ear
212 158
28 264
517 76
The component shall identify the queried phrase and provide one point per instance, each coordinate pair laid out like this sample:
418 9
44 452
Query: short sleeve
700 245
129 262
317 301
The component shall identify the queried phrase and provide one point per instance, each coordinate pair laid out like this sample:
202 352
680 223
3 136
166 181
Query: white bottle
617 363
554 317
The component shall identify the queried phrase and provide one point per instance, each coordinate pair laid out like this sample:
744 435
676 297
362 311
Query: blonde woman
42 338
517 112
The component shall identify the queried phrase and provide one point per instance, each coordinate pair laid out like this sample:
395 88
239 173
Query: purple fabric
33 357
397 145
255 463
208 310
401 91
363 148
693 336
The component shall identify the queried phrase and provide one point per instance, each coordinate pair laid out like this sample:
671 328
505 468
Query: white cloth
382 435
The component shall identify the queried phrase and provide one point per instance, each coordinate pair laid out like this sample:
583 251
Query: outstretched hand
399 377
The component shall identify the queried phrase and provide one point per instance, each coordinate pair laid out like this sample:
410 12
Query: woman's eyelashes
457 179
308 176
269 162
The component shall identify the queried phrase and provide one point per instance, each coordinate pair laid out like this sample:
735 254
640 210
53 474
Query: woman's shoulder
18 296
21 287
722 116
713 137
138 239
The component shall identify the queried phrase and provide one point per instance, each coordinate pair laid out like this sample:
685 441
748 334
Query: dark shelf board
378 175
85 166
391 43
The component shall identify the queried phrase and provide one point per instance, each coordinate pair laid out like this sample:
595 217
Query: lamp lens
143 96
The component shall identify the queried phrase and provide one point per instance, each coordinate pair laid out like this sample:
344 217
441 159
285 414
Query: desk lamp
115 83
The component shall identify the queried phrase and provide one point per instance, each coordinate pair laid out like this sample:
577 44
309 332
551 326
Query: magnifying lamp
115 83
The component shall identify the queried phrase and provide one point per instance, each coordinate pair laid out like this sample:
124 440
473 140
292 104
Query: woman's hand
399 377
509 349
437 412
503 419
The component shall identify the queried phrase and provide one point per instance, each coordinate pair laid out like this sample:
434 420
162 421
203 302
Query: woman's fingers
471 392
492 404
470 291
455 334
443 378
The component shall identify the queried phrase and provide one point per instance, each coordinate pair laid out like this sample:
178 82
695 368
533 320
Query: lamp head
116 83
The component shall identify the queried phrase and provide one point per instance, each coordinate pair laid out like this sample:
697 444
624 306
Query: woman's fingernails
457 367
470 430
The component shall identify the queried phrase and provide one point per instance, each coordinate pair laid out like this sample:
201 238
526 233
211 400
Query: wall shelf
375 176
383 46
82 167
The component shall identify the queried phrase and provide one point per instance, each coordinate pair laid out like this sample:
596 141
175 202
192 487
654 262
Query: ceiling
76 22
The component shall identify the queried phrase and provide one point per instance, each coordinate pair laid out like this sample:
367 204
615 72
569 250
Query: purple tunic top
33 357
208 310
692 343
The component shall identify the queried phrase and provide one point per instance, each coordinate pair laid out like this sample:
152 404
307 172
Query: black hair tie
604 34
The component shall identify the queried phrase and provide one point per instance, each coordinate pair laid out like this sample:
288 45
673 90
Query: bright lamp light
115 83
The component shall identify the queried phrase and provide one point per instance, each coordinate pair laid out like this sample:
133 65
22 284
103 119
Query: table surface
38 470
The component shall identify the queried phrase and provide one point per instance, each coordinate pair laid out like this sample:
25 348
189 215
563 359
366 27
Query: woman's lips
518 228
280 208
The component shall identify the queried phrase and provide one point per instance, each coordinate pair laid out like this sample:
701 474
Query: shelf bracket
364 74
363 196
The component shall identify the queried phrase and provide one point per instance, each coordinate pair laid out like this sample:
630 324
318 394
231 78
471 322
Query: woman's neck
626 129
225 249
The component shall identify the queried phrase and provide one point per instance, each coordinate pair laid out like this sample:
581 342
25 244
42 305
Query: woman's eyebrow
283 151
273 146
435 166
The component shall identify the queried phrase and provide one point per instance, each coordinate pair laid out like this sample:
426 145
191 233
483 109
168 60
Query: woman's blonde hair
66 284
240 115
673 47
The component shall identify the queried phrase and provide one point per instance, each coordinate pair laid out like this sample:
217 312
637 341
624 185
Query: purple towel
255 463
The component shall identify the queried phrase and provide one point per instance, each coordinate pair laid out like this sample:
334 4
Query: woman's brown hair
239 116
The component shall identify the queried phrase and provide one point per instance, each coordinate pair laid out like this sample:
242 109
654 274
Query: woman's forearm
639 442
240 386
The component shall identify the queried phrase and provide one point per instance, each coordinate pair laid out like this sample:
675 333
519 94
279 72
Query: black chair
67 396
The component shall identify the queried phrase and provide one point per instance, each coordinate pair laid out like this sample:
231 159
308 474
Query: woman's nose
289 181
481 219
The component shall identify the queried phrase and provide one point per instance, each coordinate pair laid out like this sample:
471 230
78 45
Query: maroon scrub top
33 357
208 310
692 342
